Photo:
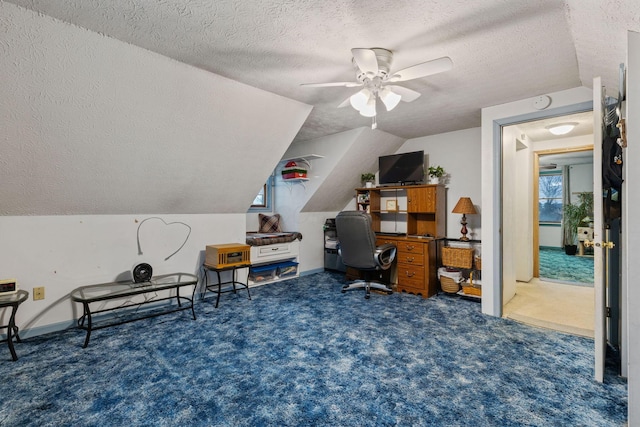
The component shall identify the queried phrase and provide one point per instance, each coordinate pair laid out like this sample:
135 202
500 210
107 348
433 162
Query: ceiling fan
372 74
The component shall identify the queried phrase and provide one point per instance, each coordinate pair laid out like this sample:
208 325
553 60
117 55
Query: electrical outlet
38 293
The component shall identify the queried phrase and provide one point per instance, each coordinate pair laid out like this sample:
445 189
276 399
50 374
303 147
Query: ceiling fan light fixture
369 110
389 98
360 99
561 128
372 68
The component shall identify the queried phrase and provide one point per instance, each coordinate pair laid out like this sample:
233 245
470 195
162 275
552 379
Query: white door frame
492 300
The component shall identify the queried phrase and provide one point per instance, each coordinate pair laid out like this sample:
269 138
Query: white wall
523 211
581 180
510 202
304 207
550 236
459 154
65 252
631 235
93 125
312 246
107 134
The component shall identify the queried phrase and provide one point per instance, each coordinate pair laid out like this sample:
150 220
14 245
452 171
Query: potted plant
574 216
435 173
368 179
586 203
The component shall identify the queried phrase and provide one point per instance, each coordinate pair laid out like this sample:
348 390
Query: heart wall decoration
167 224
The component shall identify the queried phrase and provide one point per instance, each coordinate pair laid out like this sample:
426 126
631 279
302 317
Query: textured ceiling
502 50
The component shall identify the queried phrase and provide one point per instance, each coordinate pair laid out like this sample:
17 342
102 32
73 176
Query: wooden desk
415 269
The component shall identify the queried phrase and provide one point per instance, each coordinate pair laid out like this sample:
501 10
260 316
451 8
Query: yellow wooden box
227 255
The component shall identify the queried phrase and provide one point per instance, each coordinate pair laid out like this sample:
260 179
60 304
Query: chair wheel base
367 286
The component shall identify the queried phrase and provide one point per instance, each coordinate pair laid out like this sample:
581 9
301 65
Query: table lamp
464 207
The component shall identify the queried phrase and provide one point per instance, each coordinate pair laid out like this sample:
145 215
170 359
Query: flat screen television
401 169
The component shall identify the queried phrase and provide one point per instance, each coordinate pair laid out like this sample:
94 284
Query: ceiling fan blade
407 95
422 70
366 60
345 103
343 84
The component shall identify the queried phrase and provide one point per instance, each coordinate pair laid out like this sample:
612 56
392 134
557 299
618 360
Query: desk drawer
276 251
384 240
269 250
410 247
411 275
410 258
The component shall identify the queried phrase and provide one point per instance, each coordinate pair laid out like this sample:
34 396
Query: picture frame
392 205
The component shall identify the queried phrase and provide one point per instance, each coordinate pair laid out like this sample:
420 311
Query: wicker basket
472 290
457 257
478 263
449 285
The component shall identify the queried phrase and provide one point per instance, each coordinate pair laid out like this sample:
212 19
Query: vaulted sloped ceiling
502 51
346 156
362 155
185 106
91 125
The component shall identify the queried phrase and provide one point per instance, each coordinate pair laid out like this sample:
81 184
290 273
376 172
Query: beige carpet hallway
556 306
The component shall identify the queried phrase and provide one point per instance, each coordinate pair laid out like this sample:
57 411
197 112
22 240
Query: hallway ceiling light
561 128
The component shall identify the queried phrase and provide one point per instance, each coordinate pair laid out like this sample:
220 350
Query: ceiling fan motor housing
384 58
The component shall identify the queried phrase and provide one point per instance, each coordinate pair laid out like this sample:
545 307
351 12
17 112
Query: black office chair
359 251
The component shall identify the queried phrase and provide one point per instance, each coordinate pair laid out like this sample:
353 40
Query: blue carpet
555 264
301 354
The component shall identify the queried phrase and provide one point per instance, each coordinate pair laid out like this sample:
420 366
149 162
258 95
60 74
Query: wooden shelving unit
419 211
420 208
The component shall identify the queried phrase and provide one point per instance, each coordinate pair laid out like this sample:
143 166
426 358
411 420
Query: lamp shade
359 99
464 206
369 110
389 98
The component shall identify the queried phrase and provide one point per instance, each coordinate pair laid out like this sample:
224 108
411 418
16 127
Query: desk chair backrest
358 242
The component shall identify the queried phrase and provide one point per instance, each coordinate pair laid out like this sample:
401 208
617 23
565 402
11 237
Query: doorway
563 176
549 303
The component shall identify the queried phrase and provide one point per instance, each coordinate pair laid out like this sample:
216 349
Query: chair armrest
384 255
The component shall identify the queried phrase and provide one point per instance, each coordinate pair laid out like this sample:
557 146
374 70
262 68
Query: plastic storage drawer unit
262 273
288 268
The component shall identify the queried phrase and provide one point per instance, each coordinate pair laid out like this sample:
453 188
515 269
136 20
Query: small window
550 197
262 202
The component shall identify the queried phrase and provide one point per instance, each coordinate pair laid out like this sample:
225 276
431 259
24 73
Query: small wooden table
86 295
13 300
